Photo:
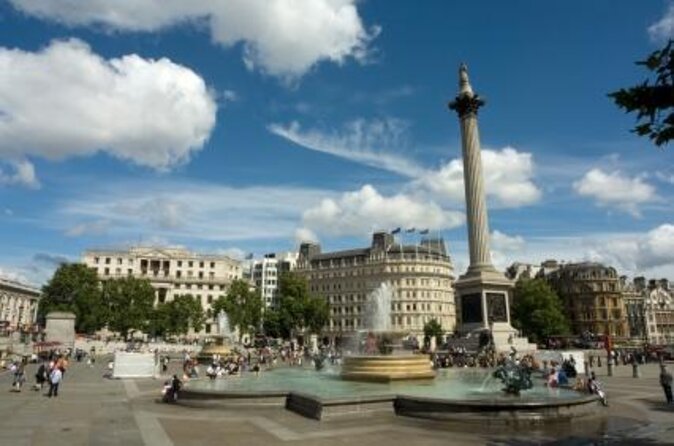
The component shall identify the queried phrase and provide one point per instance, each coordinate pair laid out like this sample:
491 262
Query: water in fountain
224 329
379 308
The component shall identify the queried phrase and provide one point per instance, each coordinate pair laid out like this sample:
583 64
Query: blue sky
245 126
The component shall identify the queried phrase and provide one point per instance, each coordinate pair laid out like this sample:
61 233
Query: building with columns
172 272
18 305
420 277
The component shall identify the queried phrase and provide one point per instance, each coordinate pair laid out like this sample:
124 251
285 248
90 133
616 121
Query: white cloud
233 253
361 141
365 210
23 174
663 29
640 252
280 37
508 172
615 190
505 242
187 211
67 101
95 227
305 235
508 177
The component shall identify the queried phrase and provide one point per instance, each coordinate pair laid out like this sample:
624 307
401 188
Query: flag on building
410 230
396 231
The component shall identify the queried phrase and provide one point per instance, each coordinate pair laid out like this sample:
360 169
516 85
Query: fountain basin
455 395
386 368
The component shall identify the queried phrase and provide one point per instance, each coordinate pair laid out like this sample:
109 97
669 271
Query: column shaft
476 206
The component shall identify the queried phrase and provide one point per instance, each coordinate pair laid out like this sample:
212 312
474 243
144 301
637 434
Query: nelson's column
483 293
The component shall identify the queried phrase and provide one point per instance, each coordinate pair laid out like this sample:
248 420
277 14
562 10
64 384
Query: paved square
93 410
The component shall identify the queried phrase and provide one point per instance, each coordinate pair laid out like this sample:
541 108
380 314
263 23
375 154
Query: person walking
666 383
55 378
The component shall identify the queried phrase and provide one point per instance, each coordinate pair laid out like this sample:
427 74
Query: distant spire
464 84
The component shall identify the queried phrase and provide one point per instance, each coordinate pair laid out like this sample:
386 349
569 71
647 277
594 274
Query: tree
537 310
274 326
177 316
652 100
433 328
129 303
75 287
300 311
242 305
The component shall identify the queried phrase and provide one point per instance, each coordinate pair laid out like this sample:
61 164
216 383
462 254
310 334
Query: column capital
466 105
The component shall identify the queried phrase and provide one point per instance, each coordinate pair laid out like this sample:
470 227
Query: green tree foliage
75 287
273 325
300 311
433 328
129 303
537 310
242 305
175 318
652 100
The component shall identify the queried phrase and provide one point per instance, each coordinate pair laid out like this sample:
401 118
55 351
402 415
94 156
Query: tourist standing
55 378
666 383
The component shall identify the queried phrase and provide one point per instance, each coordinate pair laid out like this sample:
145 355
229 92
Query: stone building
18 305
593 298
265 274
419 276
172 272
635 307
658 309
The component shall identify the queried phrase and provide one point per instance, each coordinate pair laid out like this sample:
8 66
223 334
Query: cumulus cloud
508 176
280 37
508 172
21 173
639 252
663 29
365 210
615 189
505 242
305 235
65 100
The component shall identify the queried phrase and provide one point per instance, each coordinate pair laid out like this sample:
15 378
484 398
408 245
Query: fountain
222 341
384 359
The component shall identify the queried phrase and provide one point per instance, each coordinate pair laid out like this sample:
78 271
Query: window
212 264
119 260
201 274
201 264
178 274
210 299
107 271
96 259
190 264
180 263
107 260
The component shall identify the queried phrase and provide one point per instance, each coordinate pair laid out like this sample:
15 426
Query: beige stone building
18 305
420 277
658 310
592 295
171 272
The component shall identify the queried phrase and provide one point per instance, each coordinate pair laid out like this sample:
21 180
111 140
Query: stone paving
93 410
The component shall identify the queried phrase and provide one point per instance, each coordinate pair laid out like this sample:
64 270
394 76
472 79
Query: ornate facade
18 305
420 277
651 313
592 295
171 272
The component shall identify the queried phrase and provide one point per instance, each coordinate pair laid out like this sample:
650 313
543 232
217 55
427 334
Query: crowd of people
50 371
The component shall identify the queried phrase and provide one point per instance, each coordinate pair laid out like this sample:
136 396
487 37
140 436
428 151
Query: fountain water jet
391 364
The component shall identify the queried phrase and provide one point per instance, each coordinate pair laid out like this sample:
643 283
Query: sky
247 126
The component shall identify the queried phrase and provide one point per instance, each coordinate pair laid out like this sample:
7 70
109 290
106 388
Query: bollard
609 366
636 373
587 368
598 361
